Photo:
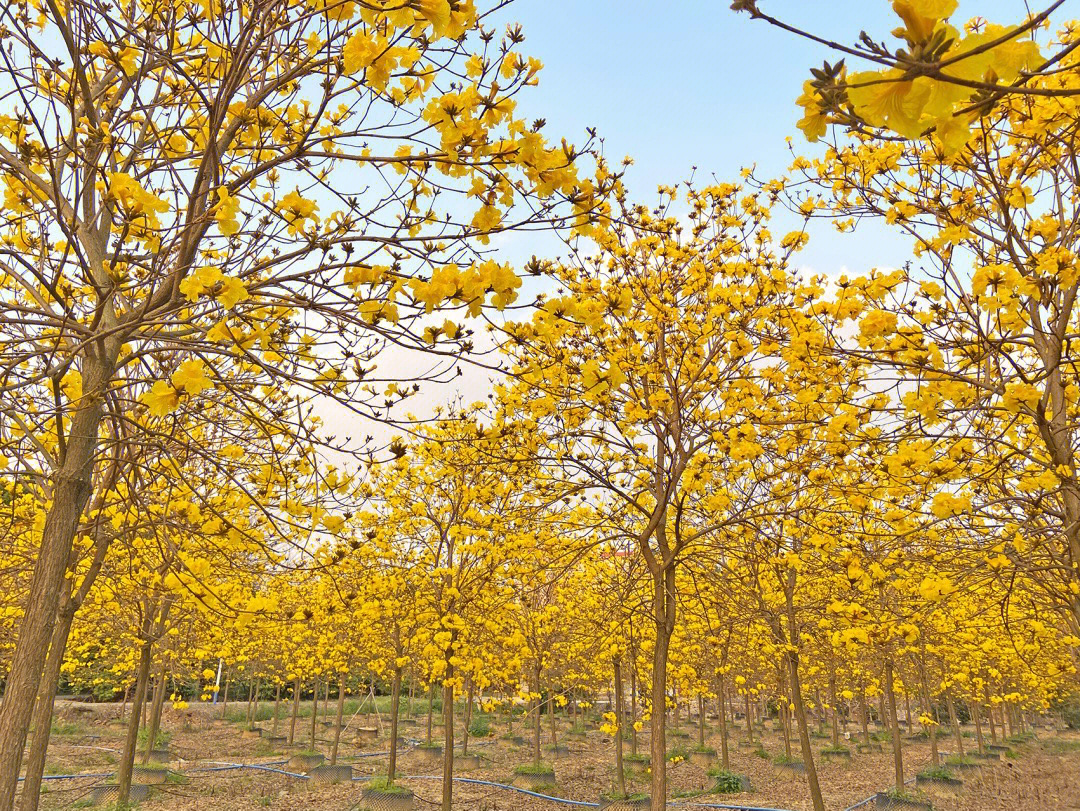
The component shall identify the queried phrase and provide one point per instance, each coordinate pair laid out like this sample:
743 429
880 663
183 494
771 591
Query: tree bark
295 710
314 711
70 491
620 719
277 706
749 715
955 721
340 715
468 719
664 614
448 741
894 726
154 724
127 756
804 731
395 700
724 759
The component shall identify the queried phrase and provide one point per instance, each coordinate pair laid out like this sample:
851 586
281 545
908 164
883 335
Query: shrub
727 782
937 773
534 768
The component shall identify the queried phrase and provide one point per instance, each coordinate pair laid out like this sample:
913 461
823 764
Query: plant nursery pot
680 733
277 740
702 759
940 786
867 748
966 767
883 802
747 746
842 756
250 734
744 784
469 761
576 736
328 774
997 747
160 755
367 734
375 800
558 749
992 757
305 763
535 782
428 754
628 804
514 740
794 769
149 775
110 793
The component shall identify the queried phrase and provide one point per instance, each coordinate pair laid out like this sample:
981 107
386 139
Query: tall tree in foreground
255 197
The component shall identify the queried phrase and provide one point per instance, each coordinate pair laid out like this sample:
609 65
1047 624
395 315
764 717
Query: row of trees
217 219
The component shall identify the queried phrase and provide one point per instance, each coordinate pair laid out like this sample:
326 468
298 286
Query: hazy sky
689 83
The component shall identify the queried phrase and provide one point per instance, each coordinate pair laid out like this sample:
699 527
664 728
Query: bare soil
1043 774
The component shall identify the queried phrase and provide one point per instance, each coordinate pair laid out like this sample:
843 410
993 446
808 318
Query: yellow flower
162 399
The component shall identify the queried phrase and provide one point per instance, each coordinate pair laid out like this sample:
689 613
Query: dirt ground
1041 774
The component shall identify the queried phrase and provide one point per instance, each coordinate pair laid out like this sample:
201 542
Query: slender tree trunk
70 490
339 716
154 724
314 710
448 741
804 731
225 701
664 614
468 719
894 726
907 711
430 711
620 775
551 719
835 708
976 713
138 705
633 704
990 716
723 726
536 720
295 710
865 717
395 700
955 721
749 716
701 720
277 705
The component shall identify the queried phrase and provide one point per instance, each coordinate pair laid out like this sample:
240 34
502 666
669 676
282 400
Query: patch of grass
905 795
762 753
677 753
784 760
53 768
534 769
432 745
835 750
957 760
704 750
160 742
937 773
64 729
1057 746
382 784
638 759
176 778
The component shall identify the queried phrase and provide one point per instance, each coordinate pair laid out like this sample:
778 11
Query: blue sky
691 83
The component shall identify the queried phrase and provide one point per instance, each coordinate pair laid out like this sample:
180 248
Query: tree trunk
536 720
70 490
127 756
225 701
277 706
430 710
468 719
724 764
664 614
804 731
955 721
340 716
295 710
835 709
43 711
633 704
448 741
395 700
154 724
894 726
701 720
976 713
749 715
620 719
314 711
864 716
